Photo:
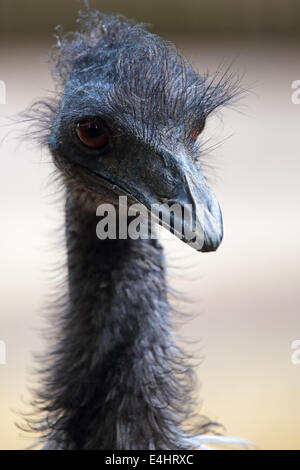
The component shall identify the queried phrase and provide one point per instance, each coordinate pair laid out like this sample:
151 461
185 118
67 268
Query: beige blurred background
245 297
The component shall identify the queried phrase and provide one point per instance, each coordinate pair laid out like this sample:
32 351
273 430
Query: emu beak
172 189
199 222
180 199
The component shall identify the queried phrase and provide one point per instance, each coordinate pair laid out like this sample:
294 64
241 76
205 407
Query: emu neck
114 384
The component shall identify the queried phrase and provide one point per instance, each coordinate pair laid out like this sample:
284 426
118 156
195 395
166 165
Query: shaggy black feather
116 379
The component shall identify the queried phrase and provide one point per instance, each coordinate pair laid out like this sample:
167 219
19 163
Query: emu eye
92 133
198 128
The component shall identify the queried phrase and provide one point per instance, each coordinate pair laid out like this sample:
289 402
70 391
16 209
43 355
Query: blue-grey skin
116 379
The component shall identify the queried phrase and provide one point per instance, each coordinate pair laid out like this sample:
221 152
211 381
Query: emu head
128 118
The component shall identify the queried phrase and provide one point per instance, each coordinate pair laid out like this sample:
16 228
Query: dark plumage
116 379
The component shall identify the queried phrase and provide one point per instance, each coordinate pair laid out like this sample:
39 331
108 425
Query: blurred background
244 298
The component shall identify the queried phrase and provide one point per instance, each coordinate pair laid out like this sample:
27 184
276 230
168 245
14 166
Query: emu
125 121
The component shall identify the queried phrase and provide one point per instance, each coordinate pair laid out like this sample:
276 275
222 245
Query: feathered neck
117 380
